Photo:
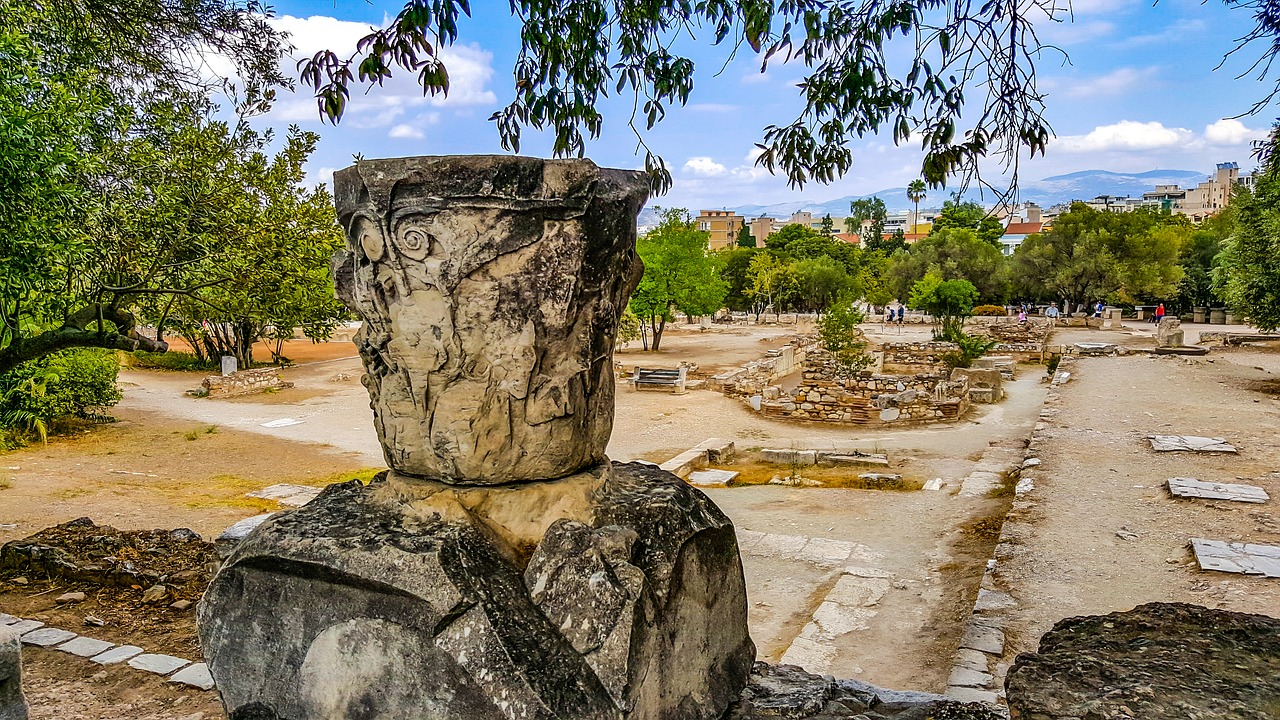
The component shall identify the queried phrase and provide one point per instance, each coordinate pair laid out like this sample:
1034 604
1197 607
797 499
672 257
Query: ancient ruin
503 567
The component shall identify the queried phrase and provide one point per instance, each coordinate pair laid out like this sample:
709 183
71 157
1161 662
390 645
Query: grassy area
754 472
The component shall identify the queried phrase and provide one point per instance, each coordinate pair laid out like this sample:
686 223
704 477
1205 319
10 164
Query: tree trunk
657 332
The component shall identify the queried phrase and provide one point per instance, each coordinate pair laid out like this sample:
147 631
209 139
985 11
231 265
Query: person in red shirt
1159 313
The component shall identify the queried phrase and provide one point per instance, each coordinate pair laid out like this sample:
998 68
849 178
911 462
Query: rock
1159 661
1169 333
196 676
157 663
154 594
786 691
93 621
181 605
412 598
13 704
490 289
185 535
232 536
71 597
20 581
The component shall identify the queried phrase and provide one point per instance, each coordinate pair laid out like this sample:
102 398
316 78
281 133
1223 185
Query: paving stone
1193 488
971 659
1190 443
157 663
934 484
117 655
71 597
7 619
285 494
965 677
967 694
992 600
983 638
44 637
1240 558
25 626
712 477
86 646
196 675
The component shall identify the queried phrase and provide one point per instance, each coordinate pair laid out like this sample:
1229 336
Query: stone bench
659 379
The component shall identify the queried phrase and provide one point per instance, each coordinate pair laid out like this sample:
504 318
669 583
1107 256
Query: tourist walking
1097 309
1159 313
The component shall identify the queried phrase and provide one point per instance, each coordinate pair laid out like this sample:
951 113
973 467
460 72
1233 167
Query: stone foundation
244 382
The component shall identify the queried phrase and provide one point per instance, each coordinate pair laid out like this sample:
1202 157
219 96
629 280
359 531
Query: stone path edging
978 671
178 670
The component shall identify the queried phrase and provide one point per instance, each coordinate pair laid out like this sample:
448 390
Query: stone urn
490 288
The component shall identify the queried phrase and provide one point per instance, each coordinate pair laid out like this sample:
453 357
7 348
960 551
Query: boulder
1159 661
615 593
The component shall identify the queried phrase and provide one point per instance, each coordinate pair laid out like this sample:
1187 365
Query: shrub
170 361
968 349
64 383
990 311
842 338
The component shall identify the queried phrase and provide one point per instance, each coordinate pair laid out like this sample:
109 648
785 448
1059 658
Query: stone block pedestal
614 593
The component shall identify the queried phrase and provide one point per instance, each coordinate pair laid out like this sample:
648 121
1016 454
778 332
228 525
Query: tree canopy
679 275
1248 272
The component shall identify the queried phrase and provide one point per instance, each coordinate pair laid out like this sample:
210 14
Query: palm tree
915 193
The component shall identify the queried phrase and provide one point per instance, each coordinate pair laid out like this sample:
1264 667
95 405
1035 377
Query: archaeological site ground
533 524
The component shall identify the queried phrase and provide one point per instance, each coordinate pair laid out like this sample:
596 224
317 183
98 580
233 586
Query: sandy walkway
1099 476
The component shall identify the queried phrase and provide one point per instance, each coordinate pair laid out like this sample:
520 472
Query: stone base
615 593
1183 350
13 705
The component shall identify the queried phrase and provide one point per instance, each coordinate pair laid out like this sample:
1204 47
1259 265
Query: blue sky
1136 92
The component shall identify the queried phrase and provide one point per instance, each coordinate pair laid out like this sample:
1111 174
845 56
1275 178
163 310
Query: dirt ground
1099 476
178 461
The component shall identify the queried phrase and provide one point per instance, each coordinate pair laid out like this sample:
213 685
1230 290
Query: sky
1136 87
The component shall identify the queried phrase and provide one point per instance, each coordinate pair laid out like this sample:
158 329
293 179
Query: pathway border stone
1193 488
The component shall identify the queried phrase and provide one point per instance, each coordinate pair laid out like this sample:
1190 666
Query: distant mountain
1082 185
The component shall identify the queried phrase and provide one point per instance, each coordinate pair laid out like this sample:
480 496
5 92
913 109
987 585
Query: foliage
828 225
968 215
990 311
732 265
907 68
841 337
171 360
954 254
1199 253
628 328
1090 255
745 238
867 210
678 274
968 349
780 241
819 281
948 301
69 382
915 193
773 283
1248 272
92 97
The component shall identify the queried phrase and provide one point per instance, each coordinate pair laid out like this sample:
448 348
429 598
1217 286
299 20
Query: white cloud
1065 31
1174 31
406 131
470 70
320 175
1229 131
1116 82
1125 135
703 166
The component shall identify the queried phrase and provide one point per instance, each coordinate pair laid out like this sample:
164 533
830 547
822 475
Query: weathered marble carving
490 289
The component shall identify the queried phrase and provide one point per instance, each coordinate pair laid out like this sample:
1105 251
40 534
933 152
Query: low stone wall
867 399
754 377
245 382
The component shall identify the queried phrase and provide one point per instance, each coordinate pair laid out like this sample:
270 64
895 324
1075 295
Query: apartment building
723 226
1212 195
